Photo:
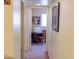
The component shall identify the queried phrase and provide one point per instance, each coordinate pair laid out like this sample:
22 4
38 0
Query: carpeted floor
36 52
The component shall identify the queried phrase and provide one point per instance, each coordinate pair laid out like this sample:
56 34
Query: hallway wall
12 30
26 28
8 32
17 28
61 44
38 11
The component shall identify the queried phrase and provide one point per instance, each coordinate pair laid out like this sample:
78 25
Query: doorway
38 33
39 24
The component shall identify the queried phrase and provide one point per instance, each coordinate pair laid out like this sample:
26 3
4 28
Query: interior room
39 24
38 34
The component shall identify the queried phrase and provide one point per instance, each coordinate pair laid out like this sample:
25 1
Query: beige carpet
36 52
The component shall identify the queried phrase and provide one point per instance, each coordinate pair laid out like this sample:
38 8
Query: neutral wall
38 11
27 27
12 31
17 28
60 44
8 31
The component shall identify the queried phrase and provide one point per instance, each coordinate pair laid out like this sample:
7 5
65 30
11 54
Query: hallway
59 32
36 52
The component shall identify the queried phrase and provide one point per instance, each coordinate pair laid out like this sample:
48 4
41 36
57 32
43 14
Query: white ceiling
17 4
41 2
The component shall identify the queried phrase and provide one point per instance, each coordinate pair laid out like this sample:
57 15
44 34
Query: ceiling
38 2
17 4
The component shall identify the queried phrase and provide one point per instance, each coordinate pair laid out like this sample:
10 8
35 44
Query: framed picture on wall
55 17
36 19
7 2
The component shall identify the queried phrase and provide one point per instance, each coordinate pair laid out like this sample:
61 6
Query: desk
36 37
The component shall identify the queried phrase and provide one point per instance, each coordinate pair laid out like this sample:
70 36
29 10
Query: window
44 19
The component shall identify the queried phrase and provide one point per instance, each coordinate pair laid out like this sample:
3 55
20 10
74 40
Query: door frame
30 20
22 30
